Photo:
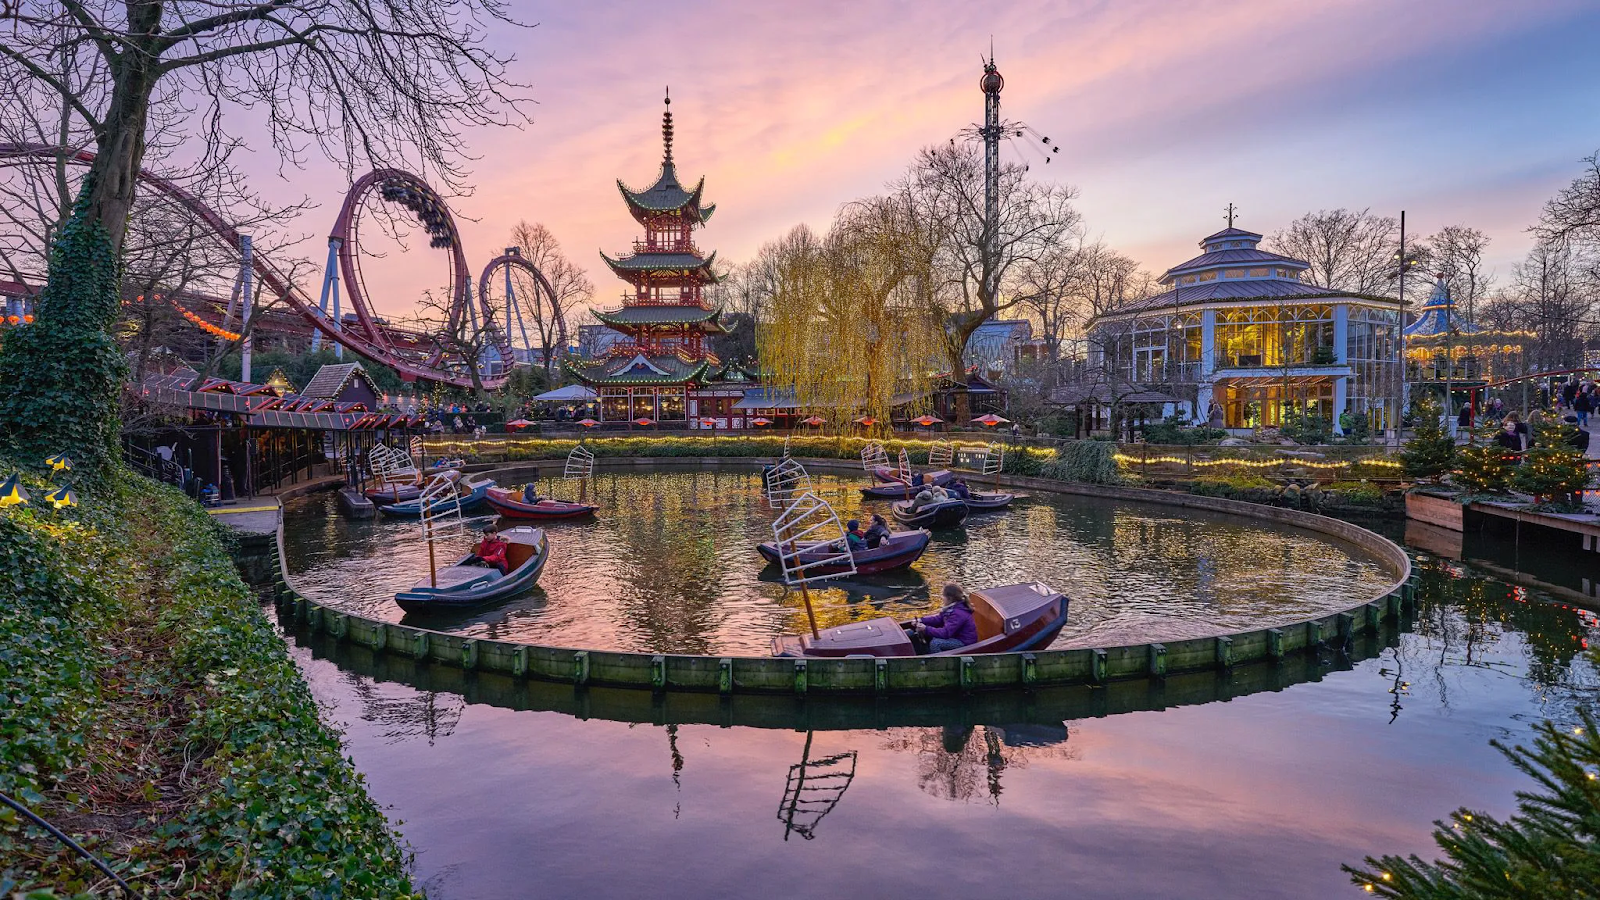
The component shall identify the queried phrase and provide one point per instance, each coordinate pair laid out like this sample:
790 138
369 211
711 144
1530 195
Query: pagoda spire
666 128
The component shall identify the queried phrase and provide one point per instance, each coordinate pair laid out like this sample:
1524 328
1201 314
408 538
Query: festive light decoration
1128 459
12 493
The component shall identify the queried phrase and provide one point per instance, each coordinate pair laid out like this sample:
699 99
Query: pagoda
664 319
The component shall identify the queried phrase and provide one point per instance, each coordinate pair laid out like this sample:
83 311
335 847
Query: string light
1129 459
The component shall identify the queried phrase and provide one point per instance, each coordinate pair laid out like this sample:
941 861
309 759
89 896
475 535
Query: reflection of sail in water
677 769
429 714
814 788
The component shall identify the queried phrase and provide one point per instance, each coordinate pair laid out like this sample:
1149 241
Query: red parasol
867 421
814 421
990 420
518 423
926 420
588 423
759 421
644 420
709 423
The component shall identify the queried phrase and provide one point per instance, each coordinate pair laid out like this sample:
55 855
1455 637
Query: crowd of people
1572 407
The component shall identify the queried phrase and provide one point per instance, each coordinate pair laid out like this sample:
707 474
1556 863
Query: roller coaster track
370 339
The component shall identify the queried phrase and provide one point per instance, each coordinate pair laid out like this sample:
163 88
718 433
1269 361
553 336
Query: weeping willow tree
844 330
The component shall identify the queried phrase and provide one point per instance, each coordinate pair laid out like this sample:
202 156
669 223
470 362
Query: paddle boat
394 493
1010 618
941 514
979 501
897 551
467 584
891 475
469 493
515 505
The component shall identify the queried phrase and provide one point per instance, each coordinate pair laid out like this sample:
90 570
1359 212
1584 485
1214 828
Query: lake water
1256 783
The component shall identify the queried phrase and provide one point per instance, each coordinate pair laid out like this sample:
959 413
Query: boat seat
455 575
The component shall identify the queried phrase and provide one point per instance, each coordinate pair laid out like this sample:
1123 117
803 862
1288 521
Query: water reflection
669 566
1255 783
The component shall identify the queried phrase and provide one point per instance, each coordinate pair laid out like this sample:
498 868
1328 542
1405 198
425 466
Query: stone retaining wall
767 675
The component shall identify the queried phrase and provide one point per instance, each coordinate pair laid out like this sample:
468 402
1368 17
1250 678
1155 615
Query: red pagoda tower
664 316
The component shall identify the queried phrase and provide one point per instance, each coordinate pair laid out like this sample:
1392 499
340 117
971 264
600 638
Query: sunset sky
1166 111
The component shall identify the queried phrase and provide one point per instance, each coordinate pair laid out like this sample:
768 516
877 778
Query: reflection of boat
465 584
889 475
899 550
981 500
1011 617
468 495
943 514
510 504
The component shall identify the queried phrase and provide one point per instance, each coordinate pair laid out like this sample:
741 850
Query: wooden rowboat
510 504
465 585
1010 618
472 494
943 514
899 550
988 500
890 475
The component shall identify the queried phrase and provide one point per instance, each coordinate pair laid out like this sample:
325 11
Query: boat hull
476 587
900 550
505 503
412 509
1010 619
394 494
989 500
945 514
890 475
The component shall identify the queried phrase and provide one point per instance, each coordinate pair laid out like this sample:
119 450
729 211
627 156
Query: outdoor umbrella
867 421
644 420
518 423
760 421
588 423
709 423
814 421
926 420
991 420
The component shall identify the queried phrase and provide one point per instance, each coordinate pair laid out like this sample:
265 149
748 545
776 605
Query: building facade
1239 337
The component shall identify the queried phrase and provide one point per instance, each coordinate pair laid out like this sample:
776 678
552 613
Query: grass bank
148 709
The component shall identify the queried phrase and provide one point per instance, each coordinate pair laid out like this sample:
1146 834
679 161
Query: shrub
1356 493
1091 462
1172 431
1431 451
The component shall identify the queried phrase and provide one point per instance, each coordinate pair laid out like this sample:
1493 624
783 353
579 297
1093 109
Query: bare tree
1053 284
975 274
1348 250
573 289
1574 213
384 82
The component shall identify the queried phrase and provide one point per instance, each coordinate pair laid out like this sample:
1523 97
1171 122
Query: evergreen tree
1484 467
1431 452
1549 849
1553 470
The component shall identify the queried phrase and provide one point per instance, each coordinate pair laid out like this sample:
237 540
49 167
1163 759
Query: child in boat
491 551
877 533
853 536
950 628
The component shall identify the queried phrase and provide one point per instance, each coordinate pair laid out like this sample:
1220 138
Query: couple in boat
875 535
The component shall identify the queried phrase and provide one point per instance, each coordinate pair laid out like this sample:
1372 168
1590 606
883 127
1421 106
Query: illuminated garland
198 322
1126 459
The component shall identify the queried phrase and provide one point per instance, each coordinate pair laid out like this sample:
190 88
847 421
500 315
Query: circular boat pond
669 566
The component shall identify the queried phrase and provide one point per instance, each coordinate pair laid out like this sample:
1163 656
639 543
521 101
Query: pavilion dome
1231 249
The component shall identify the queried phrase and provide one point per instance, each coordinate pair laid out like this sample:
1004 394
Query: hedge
272 809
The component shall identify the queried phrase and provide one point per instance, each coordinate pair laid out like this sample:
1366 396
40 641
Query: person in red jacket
491 551
950 628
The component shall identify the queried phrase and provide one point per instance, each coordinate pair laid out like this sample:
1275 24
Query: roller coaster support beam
330 289
247 254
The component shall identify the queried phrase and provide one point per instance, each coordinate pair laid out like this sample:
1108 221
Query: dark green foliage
1356 427
1550 849
1484 467
277 810
1552 470
299 368
1091 462
1305 428
1173 431
61 377
1431 452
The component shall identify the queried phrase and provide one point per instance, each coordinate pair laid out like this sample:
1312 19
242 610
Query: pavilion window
1260 273
1233 273
1207 276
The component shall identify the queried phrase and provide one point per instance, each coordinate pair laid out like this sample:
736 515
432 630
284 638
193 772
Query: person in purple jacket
950 628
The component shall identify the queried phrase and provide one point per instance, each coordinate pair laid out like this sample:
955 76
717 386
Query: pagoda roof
637 369
655 261
666 195
673 314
